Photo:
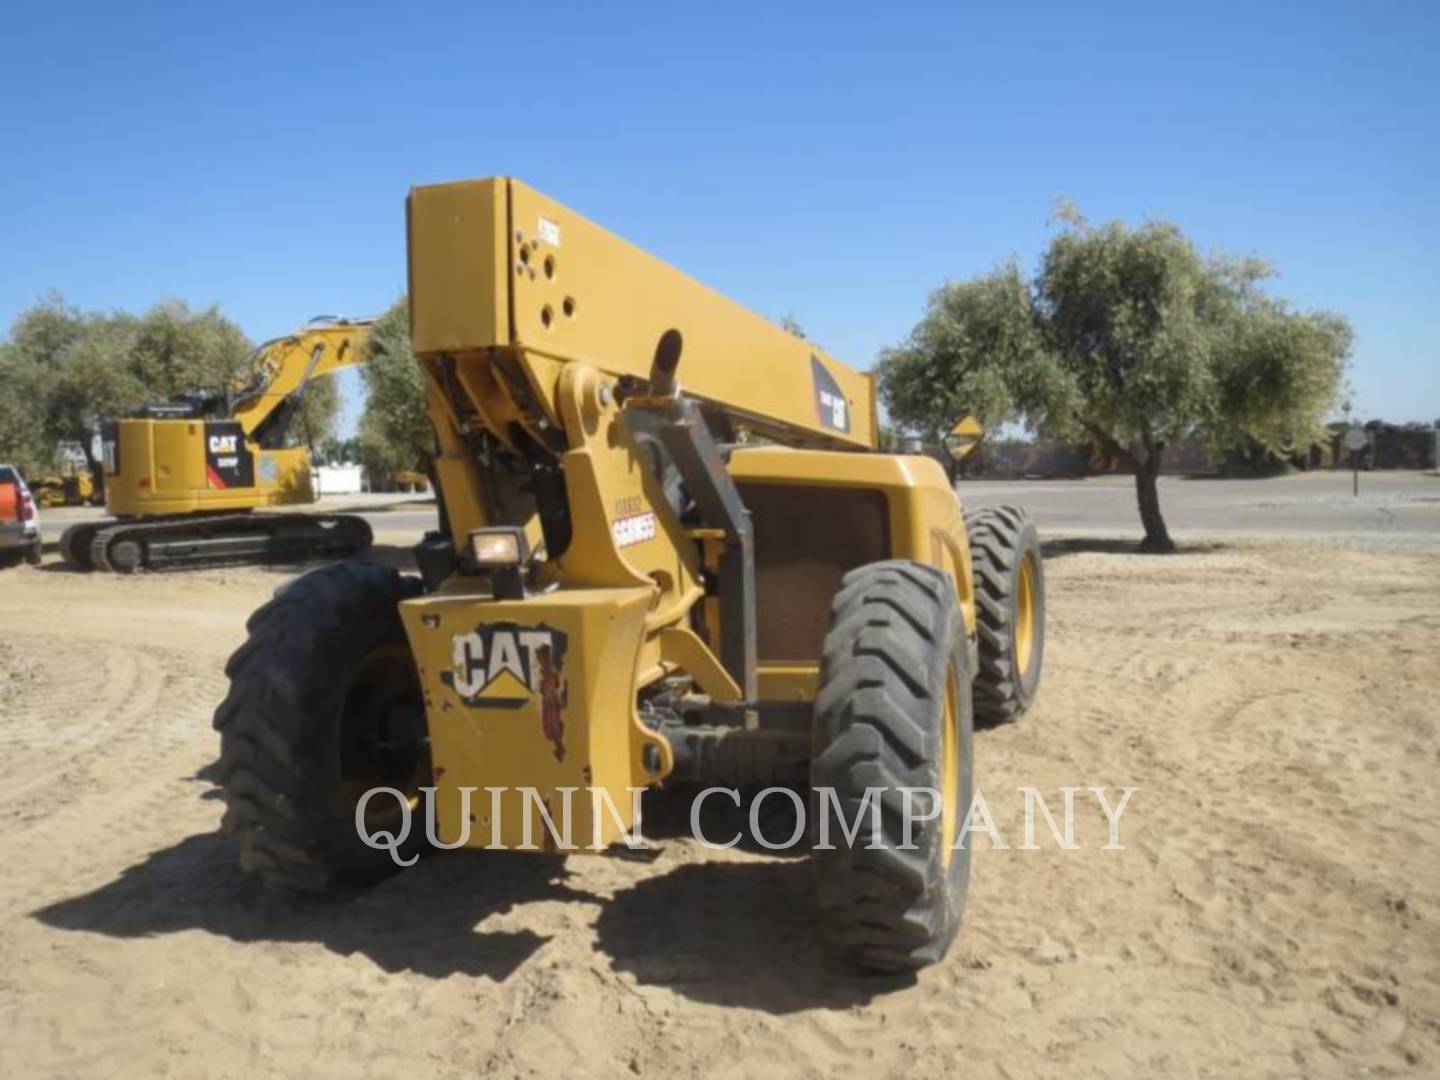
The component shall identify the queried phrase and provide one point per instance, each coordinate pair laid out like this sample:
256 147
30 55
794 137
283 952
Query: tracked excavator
669 554
182 478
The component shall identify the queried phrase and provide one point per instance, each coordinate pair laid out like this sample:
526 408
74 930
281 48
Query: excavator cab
669 554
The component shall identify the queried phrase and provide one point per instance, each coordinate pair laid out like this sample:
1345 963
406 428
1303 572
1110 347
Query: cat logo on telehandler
501 665
635 584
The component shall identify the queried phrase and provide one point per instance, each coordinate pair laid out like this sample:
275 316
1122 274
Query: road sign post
1355 441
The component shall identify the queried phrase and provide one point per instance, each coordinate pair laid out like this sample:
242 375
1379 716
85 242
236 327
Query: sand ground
1275 909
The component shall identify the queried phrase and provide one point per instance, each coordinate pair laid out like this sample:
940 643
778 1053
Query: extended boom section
499 271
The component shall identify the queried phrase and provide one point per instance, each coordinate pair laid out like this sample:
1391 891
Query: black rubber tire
1001 538
896 638
34 554
281 726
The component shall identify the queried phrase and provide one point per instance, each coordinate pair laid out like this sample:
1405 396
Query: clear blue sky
835 162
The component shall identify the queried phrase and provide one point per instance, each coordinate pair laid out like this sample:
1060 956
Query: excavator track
184 543
75 544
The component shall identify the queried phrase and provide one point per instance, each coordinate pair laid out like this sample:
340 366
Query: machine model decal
634 529
502 665
830 400
227 463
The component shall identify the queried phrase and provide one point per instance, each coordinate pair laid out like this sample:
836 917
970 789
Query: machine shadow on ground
55 563
730 933
727 932
422 921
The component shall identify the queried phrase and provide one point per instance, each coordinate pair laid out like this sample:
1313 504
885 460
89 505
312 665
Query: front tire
893 712
324 703
1009 575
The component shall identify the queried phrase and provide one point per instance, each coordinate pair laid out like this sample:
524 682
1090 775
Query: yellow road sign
964 437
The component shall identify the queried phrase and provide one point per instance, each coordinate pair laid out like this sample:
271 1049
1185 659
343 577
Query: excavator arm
283 367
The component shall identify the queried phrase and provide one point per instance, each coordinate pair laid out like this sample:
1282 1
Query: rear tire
324 703
893 711
1009 575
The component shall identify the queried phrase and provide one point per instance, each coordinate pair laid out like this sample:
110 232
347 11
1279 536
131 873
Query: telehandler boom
669 552
181 478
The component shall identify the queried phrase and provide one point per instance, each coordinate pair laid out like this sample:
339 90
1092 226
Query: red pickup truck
19 522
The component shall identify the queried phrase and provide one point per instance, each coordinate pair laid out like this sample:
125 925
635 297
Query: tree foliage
1126 337
395 433
64 371
174 350
946 367
55 367
336 451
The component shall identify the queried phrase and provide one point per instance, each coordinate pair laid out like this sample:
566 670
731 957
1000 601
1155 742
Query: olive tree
395 432
1126 337
65 370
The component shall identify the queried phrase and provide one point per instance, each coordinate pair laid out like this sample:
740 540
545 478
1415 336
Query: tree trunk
1157 537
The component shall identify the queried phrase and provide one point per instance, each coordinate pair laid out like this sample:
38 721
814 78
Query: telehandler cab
669 552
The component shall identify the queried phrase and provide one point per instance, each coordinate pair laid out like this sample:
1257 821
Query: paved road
1393 507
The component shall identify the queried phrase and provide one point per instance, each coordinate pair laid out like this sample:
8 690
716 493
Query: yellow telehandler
181 478
668 553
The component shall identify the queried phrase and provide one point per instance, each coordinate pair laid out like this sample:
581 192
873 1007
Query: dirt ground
1275 909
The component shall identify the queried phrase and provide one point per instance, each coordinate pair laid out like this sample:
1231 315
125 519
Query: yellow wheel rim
950 768
1025 615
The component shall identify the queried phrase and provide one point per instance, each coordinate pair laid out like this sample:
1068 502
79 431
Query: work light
494 548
